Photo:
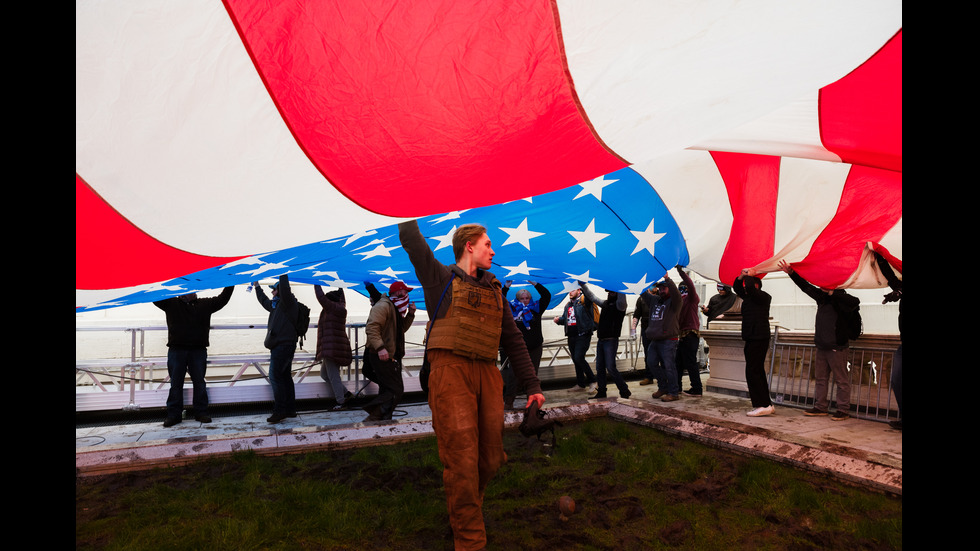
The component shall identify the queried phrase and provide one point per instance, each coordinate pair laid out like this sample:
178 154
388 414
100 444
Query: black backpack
302 321
855 327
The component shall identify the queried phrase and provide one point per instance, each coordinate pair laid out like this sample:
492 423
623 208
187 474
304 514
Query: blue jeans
662 364
281 378
605 360
180 362
578 346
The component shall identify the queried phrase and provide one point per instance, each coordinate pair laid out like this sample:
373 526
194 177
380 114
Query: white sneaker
759 412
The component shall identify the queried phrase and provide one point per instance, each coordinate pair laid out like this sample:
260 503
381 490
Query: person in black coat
755 333
830 337
280 339
895 295
188 332
612 312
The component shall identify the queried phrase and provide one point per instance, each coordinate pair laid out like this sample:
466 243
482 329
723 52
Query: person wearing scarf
527 316
390 317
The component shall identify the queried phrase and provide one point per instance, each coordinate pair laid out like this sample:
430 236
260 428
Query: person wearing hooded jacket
642 317
831 340
612 312
663 331
280 339
690 336
720 303
469 320
755 334
333 349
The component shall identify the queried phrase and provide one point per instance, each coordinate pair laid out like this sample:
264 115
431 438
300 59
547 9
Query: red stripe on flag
417 108
895 262
870 206
753 185
861 114
110 252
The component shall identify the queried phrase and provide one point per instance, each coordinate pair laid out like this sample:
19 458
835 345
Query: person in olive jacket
388 321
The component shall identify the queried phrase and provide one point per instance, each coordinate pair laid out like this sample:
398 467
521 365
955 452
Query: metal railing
135 382
792 377
96 379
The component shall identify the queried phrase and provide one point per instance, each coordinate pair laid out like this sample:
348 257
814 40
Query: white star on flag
268 267
339 283
587 239
582 277
444 240
380 250
333 275
594 187
449 216
568 286
359 235
646 239
521 235
247 261
387 272
521 268
638 287
163 287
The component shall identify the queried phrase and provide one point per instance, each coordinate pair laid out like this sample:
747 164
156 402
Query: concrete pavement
860 451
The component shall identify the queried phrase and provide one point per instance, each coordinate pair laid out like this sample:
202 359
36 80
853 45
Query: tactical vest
471 327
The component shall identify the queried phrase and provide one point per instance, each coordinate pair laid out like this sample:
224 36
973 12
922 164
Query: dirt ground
606 505
612 511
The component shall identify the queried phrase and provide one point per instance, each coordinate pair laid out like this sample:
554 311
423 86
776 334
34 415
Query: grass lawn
634 488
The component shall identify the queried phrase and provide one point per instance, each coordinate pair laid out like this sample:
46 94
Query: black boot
374 412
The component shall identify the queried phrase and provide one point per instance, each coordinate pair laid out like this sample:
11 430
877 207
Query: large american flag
218 143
